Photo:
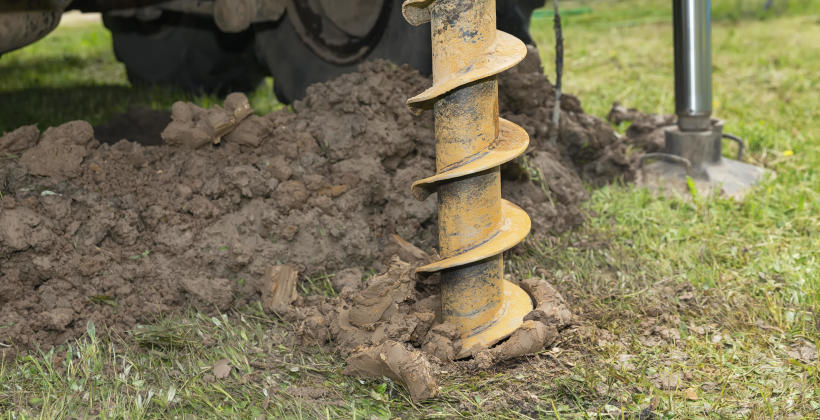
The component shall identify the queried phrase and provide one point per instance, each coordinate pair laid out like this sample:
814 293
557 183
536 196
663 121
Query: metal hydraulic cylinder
693 64
475 224
694 146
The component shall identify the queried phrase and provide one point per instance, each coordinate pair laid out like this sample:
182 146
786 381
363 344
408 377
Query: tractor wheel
514 17
185 51
307 47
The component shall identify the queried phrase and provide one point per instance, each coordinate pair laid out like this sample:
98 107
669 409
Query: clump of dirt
391 326
646 131
60 151
119 233
192 126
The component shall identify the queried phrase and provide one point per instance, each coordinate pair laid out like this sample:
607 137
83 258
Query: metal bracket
668 158
740 144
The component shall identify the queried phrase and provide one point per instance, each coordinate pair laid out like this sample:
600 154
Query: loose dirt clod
19 139
384 308
442 341
540 329
393 360
60 151
530 337
120 233
646 131
194 127
222 368
408 251
278 288
550 307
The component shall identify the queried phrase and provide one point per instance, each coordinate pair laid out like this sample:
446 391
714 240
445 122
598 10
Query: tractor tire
514 16
294 66
185 51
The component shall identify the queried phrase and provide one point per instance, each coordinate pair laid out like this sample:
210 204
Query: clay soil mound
121 233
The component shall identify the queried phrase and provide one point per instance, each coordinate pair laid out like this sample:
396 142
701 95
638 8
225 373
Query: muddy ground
121 224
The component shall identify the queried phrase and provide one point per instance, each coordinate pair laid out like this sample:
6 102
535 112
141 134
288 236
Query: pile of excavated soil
121 233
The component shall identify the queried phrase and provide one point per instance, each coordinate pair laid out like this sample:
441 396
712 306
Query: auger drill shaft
469 208
475 224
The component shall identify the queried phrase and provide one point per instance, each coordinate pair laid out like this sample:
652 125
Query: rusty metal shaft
475 224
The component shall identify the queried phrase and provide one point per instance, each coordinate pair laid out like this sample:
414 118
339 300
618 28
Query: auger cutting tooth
476 225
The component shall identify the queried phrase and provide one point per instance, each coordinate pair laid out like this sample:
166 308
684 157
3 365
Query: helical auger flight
475 225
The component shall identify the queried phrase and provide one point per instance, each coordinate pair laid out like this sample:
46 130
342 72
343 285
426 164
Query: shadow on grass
50 106
17 69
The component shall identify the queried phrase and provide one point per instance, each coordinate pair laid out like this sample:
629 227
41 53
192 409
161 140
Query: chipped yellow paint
512 142
475 224
503 55
514 228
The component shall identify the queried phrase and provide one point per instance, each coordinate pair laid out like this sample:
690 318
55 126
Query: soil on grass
121 233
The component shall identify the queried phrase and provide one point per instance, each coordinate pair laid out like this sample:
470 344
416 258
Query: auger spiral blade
476 225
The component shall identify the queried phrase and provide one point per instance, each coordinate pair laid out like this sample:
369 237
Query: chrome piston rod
693 63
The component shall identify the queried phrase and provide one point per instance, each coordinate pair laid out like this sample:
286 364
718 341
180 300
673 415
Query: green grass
73 74
721 294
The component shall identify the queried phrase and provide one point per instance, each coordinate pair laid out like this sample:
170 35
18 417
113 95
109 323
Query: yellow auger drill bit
475 225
